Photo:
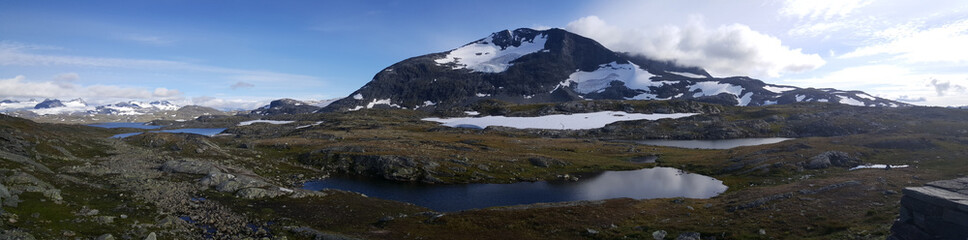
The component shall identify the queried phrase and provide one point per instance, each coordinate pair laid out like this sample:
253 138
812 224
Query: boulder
832 158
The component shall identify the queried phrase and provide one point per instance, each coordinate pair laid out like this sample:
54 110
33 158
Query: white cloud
733 49
228 104
241 84
20 87
915 43
826 9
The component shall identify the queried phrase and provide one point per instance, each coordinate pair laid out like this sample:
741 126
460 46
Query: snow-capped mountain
78 111
135 108
532 66
79 106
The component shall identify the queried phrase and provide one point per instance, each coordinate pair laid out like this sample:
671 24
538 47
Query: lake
660 182
712 144
200 131
139 125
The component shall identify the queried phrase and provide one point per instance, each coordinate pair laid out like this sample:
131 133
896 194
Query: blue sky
241 54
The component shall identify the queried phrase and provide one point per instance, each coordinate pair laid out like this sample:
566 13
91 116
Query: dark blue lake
712 144
139 125
660 182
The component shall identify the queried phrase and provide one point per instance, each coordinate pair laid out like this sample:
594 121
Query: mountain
285 106
79 111
537 66
135 108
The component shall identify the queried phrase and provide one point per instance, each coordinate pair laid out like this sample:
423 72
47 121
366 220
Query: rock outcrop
938 210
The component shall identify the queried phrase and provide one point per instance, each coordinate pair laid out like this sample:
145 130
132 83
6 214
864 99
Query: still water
660 182
139 125
712 144
200 131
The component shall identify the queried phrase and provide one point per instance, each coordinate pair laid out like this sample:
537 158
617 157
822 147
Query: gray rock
171 222
106 236
659 235
151 236
187 166
15 235
590 232
545 162
689 236
253 193
832 158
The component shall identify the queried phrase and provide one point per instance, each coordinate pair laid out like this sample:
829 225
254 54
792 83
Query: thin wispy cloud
241 84
148 39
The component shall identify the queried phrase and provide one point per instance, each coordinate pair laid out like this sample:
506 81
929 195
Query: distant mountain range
79 106
540 66
79 111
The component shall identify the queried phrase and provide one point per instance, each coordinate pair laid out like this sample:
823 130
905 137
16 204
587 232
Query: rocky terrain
62 181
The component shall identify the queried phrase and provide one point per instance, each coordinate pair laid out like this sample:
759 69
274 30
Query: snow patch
358 96
632 75
688 75
484 56
247 123
472 113
777 89
851 101
745 100
577 121
715 88
800 97
482 95
310 125
877 166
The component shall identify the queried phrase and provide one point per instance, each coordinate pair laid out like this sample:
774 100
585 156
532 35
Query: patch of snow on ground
576 121
632 75
310 125
876 166
484 56
247 123
358 96
851 101
714 88
689 75
745 100
800 97
472 113
865 96
777 89
823 100
482 95
769 102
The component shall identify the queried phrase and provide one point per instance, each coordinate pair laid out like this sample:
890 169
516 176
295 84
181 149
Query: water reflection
647 183
200 131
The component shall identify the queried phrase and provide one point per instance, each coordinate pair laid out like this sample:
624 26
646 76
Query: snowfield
247 123
484 56
578 121
632 75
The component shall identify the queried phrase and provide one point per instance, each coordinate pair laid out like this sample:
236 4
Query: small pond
200 131
712 144
660 182
139 125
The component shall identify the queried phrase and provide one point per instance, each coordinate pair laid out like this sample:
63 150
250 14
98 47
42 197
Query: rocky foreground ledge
938 210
